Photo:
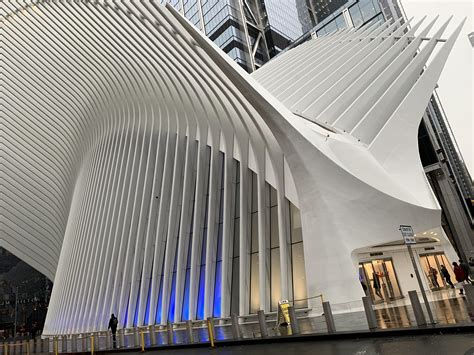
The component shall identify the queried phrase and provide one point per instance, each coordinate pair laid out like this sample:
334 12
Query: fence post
189 329
417 310
56 345
92 344
74 343
122 338
262 323
295 329
329 318
469 292
152 330
169 333
210 330
235 327
369 313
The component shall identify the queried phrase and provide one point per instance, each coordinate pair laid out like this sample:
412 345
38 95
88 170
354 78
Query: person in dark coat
460 275
376 283
446 276
466 269
113 322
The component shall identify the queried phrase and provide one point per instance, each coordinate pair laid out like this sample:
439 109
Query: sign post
409 238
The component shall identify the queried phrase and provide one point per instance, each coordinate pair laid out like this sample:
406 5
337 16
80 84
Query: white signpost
409 238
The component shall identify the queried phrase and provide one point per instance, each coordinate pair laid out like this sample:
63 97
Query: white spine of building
151 177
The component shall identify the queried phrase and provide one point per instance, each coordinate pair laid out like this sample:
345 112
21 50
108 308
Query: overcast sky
456 84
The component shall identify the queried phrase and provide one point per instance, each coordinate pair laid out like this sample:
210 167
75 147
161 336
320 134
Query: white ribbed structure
121 129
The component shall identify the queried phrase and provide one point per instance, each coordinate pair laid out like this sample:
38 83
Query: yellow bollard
56 346
92 344
6 348
27 343
143 340
210 330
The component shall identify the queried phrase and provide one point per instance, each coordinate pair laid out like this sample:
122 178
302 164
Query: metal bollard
417 310
236 327
369 313
152 335
64 343
74 343
121 338
262 323
169 333
469 292
329 318
189 329
210 330
107 339
136 337
295 329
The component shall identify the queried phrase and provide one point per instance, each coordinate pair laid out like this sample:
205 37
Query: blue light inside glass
172 299
126 314
159 306
135 318
217 290
147 309
200 307
185 315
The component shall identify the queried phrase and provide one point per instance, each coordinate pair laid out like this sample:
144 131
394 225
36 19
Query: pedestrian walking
446 276
113 322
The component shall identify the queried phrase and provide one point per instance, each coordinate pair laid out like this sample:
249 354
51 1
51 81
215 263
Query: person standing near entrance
376 284
460 275
446 276
113 322
434 277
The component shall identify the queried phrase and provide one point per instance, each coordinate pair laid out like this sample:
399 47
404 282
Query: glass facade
361 13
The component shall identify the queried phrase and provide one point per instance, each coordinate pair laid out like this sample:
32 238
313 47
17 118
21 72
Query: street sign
408 235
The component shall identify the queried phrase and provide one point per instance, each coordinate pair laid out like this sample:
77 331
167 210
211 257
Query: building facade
150 176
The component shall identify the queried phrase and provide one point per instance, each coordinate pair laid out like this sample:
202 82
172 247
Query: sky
456 84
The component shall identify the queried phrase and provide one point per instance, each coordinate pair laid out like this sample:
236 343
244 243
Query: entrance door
386 286
431 264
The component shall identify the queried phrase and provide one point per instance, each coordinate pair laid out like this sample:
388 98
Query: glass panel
356 16
234 299
296 231
275 278
254 232
254 193
274 241
299 276
381 280
273 197
254 282
431 267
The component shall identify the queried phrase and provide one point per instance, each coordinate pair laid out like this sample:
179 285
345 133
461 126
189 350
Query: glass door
382 282
431 265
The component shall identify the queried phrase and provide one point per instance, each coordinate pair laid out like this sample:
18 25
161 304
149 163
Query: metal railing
214 330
